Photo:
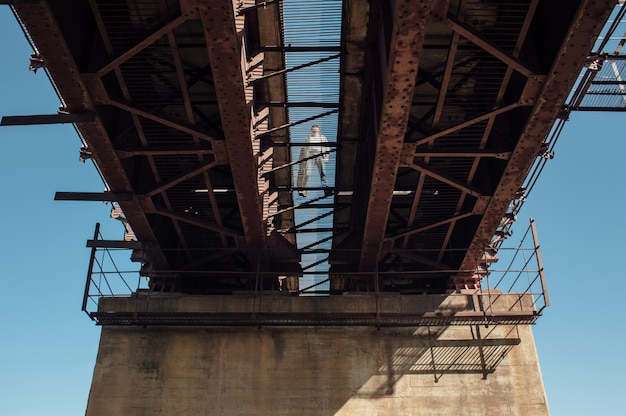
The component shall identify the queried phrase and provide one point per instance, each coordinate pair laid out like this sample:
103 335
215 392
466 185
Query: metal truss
443 111
457 129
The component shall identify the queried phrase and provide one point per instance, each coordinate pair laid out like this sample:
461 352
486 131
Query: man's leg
322 170
303 177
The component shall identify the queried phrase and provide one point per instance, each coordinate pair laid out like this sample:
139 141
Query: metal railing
511 293
104 277
523 275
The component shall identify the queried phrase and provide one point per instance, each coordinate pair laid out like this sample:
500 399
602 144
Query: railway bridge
285 275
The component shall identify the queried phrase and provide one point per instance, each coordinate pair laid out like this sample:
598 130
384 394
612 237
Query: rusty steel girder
43 29
408 30
458 147
169 158
225 55
429 93
583 31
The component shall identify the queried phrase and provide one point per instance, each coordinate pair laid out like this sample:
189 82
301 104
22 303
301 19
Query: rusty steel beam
214 206
162 119
438 111
167 28
270 30
163 151
197 222
431 226
463 153
530 14
414 205
431 138
295 68
443 90
189 112
469 33
353 81
532 8
468 189
584 29
419 258
181 178
225 55
115 244
95 81
295 123
409 28
46 34
47 119
94 196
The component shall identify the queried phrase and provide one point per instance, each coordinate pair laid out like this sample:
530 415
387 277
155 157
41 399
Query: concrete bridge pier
314 370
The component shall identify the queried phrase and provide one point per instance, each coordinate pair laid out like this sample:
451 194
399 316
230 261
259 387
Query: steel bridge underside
444 107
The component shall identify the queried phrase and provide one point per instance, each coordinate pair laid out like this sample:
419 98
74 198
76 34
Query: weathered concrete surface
351 310
457 370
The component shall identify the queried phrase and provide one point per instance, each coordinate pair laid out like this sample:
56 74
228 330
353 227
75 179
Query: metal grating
156 78
500 22
608 88
313 24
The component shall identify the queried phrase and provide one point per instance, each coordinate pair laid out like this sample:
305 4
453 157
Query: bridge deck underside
449 131
443 109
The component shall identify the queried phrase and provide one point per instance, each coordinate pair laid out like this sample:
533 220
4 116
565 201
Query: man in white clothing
315 153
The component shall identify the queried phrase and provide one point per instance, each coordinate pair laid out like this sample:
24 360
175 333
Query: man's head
315 130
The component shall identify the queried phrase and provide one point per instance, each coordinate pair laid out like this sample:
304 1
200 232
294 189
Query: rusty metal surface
294 319
218 21
43 29
576 44
174 123
408 31
482 104
443 109
271 33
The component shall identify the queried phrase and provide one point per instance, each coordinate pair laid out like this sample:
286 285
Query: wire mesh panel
110 273
608 89
519 270
512 290
601 85
313 35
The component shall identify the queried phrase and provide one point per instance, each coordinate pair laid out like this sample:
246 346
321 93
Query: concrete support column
435 370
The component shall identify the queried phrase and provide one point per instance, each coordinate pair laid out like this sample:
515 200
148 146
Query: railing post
90 270
544 288
376 289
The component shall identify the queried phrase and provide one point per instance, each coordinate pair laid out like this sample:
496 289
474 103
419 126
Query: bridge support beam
312 370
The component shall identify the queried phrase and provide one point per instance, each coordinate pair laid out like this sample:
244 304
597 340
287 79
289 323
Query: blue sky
48 346
579 205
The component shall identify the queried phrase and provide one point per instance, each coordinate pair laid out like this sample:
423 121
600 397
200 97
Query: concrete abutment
316 370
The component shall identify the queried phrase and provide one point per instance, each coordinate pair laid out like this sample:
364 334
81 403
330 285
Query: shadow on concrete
427 351
303 370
